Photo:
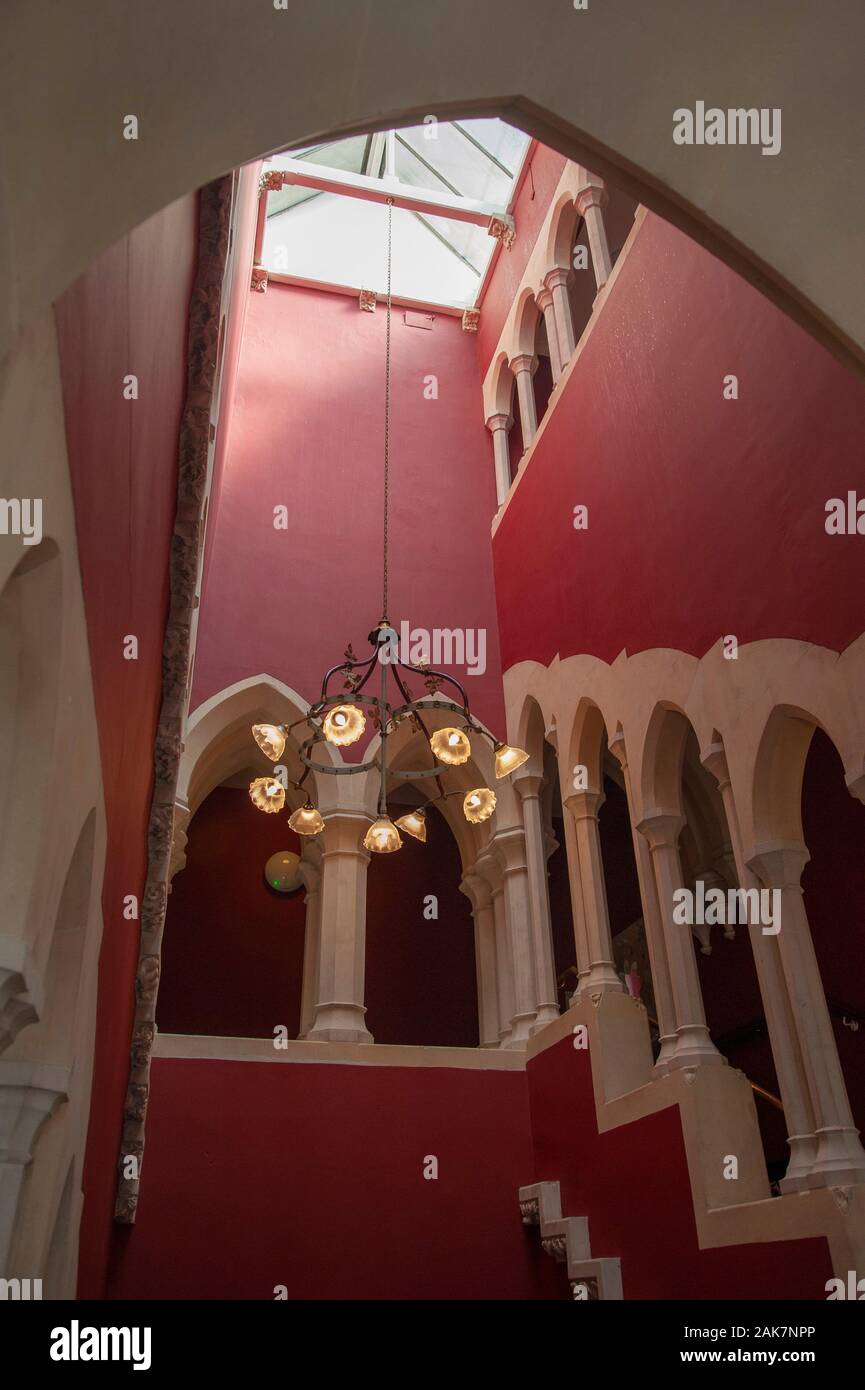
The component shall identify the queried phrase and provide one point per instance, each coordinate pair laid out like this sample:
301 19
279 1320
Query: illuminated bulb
267 794
414 824
478 805
281 871
306 820
508 759
382 836
450 746
270 739
343 724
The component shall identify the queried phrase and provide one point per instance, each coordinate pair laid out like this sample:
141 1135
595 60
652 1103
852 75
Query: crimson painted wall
128 313
706 516
632 1183
307 432
311 1176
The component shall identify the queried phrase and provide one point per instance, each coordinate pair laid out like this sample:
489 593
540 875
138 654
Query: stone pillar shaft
601 972
339 1012
556 281
589 203
544 301
523 368
499 427
529 788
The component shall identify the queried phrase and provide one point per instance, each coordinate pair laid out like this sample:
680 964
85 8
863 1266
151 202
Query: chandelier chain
387 410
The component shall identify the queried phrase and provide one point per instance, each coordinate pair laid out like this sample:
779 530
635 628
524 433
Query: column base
803 1154
840 1159
339 1023
694 1048
547 1013
521 1028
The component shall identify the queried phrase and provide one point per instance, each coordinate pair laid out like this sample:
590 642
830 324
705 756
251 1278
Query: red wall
128 313
706 516
307 432
632 1184
311 1176
544 169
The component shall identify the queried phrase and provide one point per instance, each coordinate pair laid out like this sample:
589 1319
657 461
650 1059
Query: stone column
310 872
499 426
655 941
511 846
556 281
489 867
789 1065
600 976
693 1045
524 367
479 894
339 1010
529 789
590 202
544 301
29 1094
578 911
840 1158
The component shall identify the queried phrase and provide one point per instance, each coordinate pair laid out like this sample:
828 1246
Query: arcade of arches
573 487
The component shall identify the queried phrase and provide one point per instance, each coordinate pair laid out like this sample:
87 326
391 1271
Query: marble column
544 301
477 889
529 790
510 845
693 1045
783 1039
489 867
839 1158
524 367
655 940
340 1010
499 427
310 873
600 975
590 202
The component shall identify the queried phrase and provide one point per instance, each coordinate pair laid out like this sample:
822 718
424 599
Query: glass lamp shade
267 794
450 746
343 724
414 824
270 739
382 836
306 820
281 871
478 805
508 759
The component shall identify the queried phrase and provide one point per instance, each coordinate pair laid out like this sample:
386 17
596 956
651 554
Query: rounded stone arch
779 769
663 760
525 321
31 606
531 735
561 233
218 742
501 398
588 741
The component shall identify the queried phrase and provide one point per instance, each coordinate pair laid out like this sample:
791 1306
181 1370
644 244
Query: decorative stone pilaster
544 301
839 1158
511 846
600 975
556 281
524 366
339 1010
655 937
477 889
310 873
499 426
29 1094
529 789
693 1045
489 867
590 202
783 1038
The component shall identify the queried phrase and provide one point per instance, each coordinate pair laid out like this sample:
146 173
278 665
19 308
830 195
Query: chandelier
381 683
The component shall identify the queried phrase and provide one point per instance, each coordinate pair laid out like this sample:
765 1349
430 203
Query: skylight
331 226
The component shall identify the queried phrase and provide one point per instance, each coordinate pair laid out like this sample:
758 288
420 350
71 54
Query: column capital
498 422
585 805
343 833
714 761
779 863
488 866
544 297
617 747
528 785
511 846
477 889
309 868
591 195
524 362
662 828
557 278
